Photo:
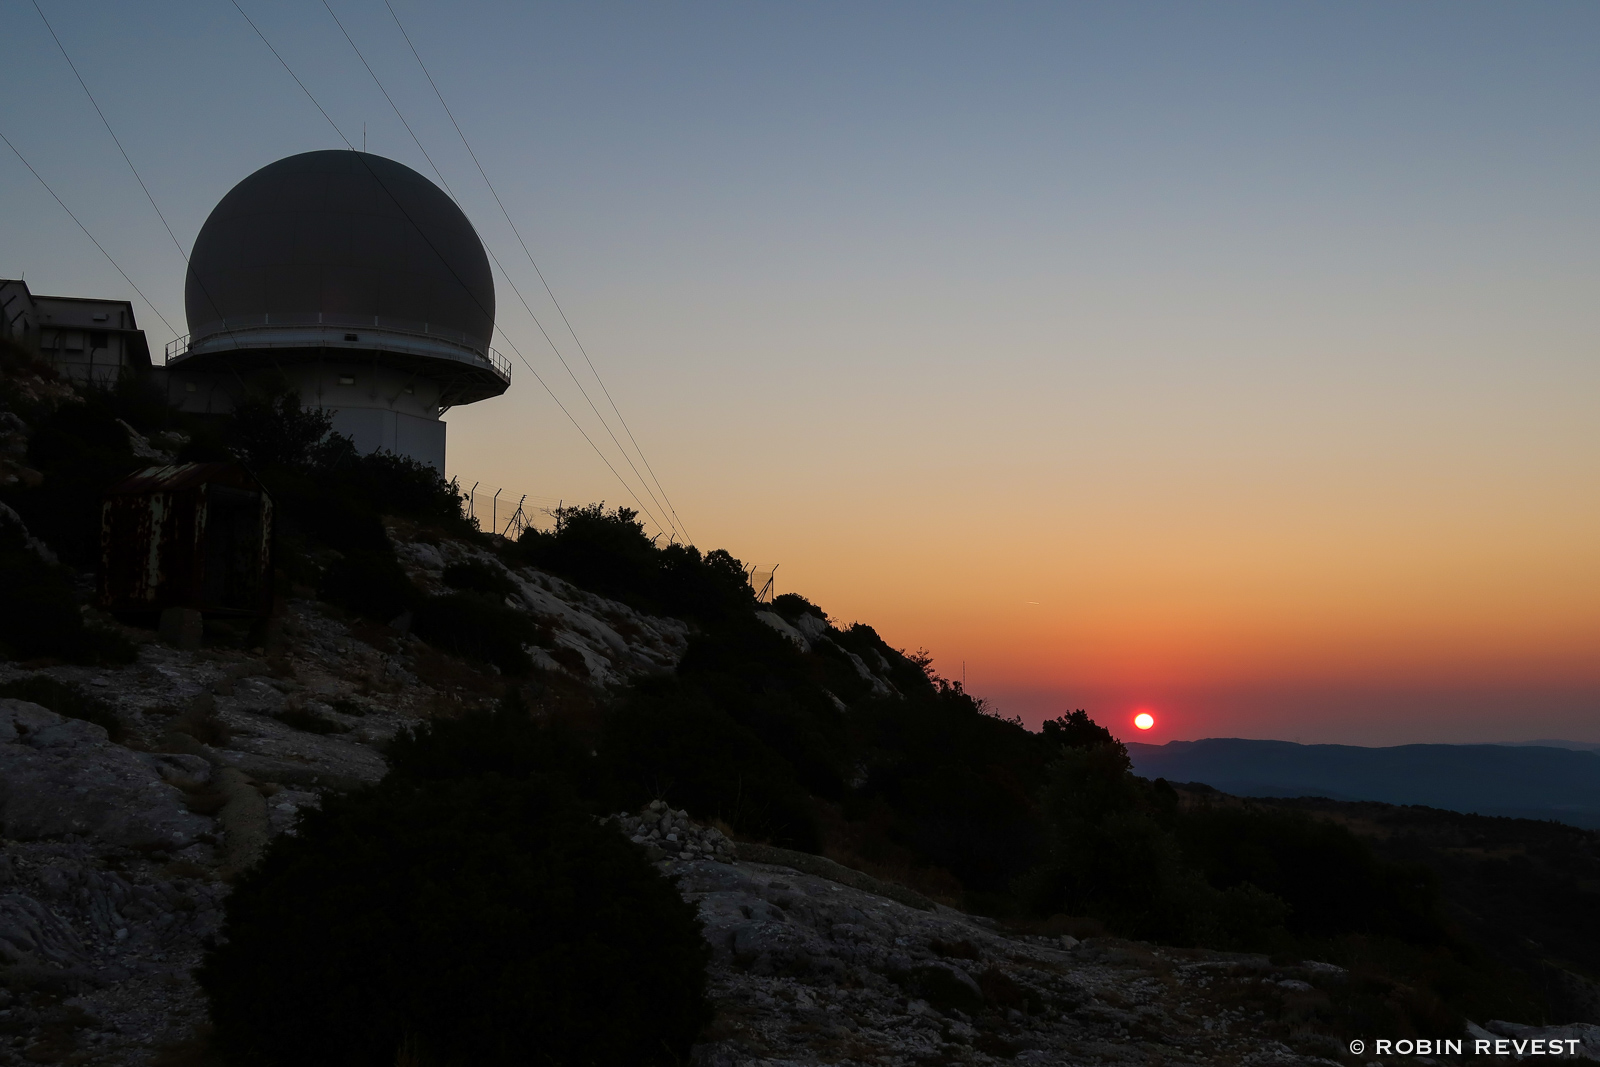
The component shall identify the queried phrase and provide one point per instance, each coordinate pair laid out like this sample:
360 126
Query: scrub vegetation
433 912
466 921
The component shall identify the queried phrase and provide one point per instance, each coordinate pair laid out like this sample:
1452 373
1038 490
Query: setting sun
1144 720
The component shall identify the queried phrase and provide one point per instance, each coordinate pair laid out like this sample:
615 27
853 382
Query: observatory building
356 280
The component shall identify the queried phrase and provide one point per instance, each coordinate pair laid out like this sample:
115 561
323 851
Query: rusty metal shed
187 535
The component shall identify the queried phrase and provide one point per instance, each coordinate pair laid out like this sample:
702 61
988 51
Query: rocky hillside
841 817
117 855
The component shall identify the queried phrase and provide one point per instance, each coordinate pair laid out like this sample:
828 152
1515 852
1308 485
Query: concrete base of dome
380 430
378 407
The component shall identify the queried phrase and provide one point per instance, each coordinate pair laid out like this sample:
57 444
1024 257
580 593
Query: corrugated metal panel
192 535
176 476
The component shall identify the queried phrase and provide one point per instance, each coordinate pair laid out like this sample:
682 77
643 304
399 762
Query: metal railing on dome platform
246 325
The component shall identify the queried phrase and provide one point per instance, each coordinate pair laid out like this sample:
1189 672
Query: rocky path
808 971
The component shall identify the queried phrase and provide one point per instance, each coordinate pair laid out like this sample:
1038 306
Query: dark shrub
792 605
339 522
29 386
82 450
507 741
476 922
328 495
608 552
961 783
64 699
479 576
1330 878
397 485
605 552
39 612
1111 854
1077 730
669 741
761 680
710 588
370 582
270 430
910 675
966 820
478 626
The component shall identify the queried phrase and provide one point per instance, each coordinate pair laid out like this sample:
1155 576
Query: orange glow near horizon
1273 503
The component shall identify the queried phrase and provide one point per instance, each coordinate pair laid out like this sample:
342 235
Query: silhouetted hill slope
1522 782
1527 891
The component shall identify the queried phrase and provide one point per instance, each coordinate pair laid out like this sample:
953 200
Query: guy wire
87 234
594 370
503 272
129 161
420 232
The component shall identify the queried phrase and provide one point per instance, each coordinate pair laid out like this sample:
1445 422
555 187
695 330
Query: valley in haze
1555 780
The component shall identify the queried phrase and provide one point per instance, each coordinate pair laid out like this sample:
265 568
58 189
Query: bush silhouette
959 782
1331 879
1077 730
608 552
480 577
1111 854
370 582
478 626
669 741
475 922
82 451
39 613
792 605
507 741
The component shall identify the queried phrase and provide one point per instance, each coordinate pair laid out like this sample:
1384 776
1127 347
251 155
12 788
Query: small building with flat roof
88 340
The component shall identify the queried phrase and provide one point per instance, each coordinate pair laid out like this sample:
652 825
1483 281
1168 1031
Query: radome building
358 282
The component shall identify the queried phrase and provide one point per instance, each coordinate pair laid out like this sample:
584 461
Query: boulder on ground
62 776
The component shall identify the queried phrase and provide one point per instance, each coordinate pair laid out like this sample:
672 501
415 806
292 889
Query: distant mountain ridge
1522 781
1576 746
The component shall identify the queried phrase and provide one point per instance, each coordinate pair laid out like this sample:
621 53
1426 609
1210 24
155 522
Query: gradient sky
1236 361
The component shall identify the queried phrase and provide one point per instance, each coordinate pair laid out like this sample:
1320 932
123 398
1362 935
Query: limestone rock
62 776
673 834
1587 1035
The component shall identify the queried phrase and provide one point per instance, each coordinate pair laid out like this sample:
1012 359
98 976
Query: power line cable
448 265
87 234
295 76
507 276
503 272
593 370
579 428
126 159
415 139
